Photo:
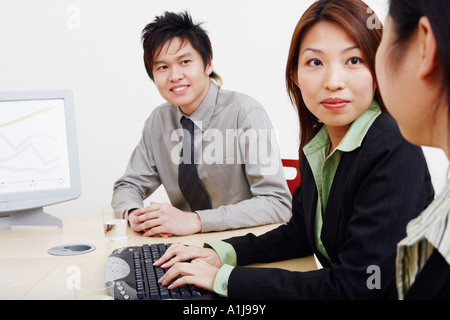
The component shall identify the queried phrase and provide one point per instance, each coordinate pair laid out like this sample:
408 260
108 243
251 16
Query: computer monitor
38 156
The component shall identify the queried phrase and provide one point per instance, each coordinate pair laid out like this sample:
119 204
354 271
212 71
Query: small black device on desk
135 277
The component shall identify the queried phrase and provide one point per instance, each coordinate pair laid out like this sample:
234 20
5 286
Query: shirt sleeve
228 258
226 252
221 281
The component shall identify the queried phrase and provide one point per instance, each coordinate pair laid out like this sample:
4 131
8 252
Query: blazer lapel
309 200
334 218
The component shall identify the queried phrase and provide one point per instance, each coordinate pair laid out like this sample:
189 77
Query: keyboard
135 277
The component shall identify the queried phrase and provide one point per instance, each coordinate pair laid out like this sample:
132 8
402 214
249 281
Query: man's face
180 75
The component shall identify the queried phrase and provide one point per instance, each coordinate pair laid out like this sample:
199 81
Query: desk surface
27 271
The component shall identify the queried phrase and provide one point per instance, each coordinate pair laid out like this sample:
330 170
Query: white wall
93 47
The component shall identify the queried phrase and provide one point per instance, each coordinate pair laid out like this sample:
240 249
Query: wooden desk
27 271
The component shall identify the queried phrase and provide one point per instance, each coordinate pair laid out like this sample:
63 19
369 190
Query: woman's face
335 81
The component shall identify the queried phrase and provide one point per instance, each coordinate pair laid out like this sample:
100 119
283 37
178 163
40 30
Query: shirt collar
203 114
354 136
358 130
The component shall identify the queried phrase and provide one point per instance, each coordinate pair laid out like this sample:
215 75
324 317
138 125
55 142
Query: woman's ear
294 78
428 49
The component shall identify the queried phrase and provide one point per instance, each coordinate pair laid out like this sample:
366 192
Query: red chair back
292 183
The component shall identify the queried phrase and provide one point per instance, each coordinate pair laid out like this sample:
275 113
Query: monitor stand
29 217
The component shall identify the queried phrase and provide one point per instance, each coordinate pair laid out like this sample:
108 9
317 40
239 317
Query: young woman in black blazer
361 182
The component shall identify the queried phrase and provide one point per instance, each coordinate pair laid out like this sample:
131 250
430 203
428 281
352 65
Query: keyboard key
164 292
184 291
195 292
174 293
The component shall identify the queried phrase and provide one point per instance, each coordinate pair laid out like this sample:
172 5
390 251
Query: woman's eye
354 60
314 62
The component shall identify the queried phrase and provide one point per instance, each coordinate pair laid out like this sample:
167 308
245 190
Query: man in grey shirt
235 155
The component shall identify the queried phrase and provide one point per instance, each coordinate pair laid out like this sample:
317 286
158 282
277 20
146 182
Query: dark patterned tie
190 185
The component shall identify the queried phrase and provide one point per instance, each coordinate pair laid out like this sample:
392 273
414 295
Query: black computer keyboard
136 278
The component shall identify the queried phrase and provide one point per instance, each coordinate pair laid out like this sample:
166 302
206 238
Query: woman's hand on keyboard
178 252
197 272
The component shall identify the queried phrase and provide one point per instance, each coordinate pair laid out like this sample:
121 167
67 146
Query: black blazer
378 188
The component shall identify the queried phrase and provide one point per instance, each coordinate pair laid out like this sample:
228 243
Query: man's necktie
190 185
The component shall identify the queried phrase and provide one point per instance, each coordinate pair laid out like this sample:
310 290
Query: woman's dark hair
406 15
353 17
172 25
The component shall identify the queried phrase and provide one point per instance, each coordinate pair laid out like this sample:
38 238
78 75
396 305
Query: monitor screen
38 155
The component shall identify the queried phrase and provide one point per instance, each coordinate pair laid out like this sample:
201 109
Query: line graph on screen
27 148
32 145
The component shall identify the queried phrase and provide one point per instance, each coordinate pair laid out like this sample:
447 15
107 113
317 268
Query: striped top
429 231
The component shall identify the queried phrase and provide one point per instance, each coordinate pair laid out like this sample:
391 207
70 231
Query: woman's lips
334 103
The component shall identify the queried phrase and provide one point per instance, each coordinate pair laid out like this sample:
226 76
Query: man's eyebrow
184 55
320 51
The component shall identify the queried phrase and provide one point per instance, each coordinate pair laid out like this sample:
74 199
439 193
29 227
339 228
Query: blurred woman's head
413 69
